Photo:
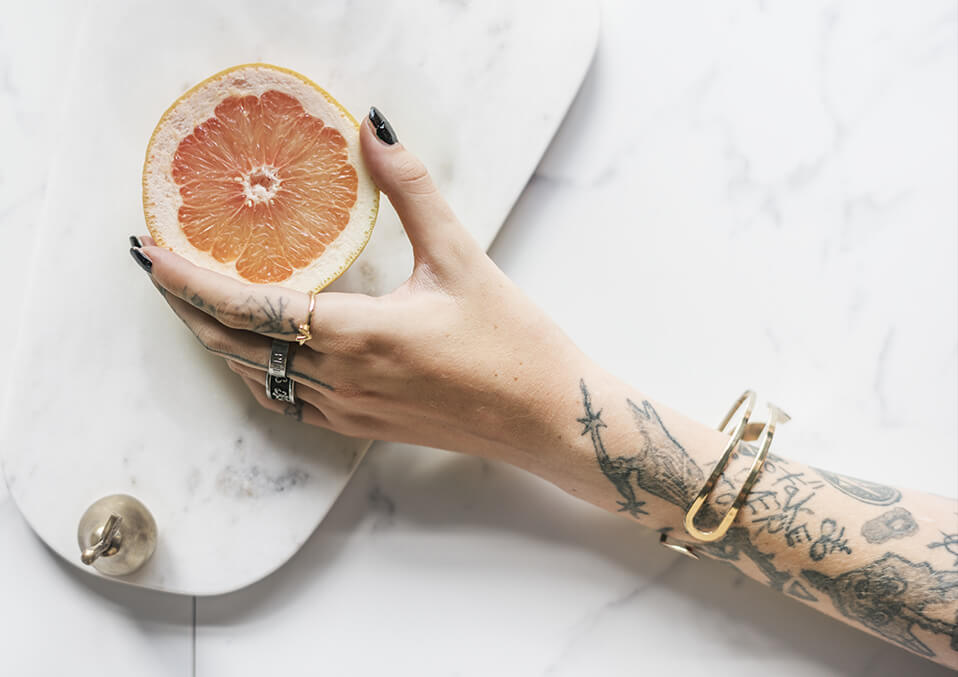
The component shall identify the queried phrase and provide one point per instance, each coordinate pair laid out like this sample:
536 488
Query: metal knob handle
117 535
108 541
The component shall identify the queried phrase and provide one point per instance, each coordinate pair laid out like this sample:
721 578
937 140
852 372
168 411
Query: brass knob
117 535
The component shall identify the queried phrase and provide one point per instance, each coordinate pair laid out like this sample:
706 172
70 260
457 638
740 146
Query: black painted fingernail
142 260
384 130
135 241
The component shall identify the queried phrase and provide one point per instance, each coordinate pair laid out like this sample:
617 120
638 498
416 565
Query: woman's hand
457 357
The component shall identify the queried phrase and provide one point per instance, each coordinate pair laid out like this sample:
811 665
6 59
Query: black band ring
278 385
280 388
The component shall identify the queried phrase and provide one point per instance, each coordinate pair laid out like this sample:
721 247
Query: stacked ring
278 385
305 334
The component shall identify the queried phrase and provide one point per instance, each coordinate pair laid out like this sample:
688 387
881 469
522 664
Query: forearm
876 557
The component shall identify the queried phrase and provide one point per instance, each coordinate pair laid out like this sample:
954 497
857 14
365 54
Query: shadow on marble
57 620
139 605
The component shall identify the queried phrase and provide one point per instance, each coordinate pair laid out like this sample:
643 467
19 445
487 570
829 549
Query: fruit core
260 184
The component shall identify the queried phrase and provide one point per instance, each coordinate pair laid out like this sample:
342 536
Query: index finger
271 311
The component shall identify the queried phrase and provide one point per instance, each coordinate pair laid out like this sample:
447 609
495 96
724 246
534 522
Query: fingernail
142 260
384 130
135 241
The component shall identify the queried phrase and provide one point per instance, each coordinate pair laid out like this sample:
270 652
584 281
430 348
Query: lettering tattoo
889 597
896 523
862 490
785 518
784 509
831 538
663 468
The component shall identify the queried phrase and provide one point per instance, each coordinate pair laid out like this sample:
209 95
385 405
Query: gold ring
304 333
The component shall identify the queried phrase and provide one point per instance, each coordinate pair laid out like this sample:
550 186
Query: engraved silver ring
278 385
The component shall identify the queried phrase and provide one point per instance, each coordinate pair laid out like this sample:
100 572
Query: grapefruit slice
256 173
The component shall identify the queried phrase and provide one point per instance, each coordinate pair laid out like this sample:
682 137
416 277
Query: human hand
456 357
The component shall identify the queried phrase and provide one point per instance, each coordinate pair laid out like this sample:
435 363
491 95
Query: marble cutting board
111 393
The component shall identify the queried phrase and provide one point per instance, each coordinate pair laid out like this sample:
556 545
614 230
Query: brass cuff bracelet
744 431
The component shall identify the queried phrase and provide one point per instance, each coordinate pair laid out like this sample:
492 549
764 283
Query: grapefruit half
256 173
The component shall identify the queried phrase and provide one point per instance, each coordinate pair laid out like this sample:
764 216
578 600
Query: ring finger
301 410
304 391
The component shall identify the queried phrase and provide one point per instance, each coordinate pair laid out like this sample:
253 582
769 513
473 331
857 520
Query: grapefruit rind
161 196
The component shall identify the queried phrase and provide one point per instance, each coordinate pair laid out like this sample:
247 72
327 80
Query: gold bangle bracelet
776 416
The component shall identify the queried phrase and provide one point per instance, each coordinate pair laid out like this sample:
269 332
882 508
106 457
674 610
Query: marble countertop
804 154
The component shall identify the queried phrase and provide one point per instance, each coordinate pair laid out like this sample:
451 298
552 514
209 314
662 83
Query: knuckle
231 315
364 343
212 338
349 391
355 425
412 176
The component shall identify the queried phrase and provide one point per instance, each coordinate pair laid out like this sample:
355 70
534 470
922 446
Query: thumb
430 224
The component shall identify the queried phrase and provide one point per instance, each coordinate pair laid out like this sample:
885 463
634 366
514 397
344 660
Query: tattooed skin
619 470
262 315
198 302
861 490
896 523
667 470
659 466
784 508
950 544
889 596
737 543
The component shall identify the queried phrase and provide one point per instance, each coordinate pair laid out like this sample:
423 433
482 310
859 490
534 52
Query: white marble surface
236 490
804 152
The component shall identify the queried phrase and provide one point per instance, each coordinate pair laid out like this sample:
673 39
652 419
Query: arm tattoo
950 544
667 470
736 543
896 523
619 470
660 466
862 490
889 596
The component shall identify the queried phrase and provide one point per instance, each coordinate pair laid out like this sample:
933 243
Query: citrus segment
256 173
